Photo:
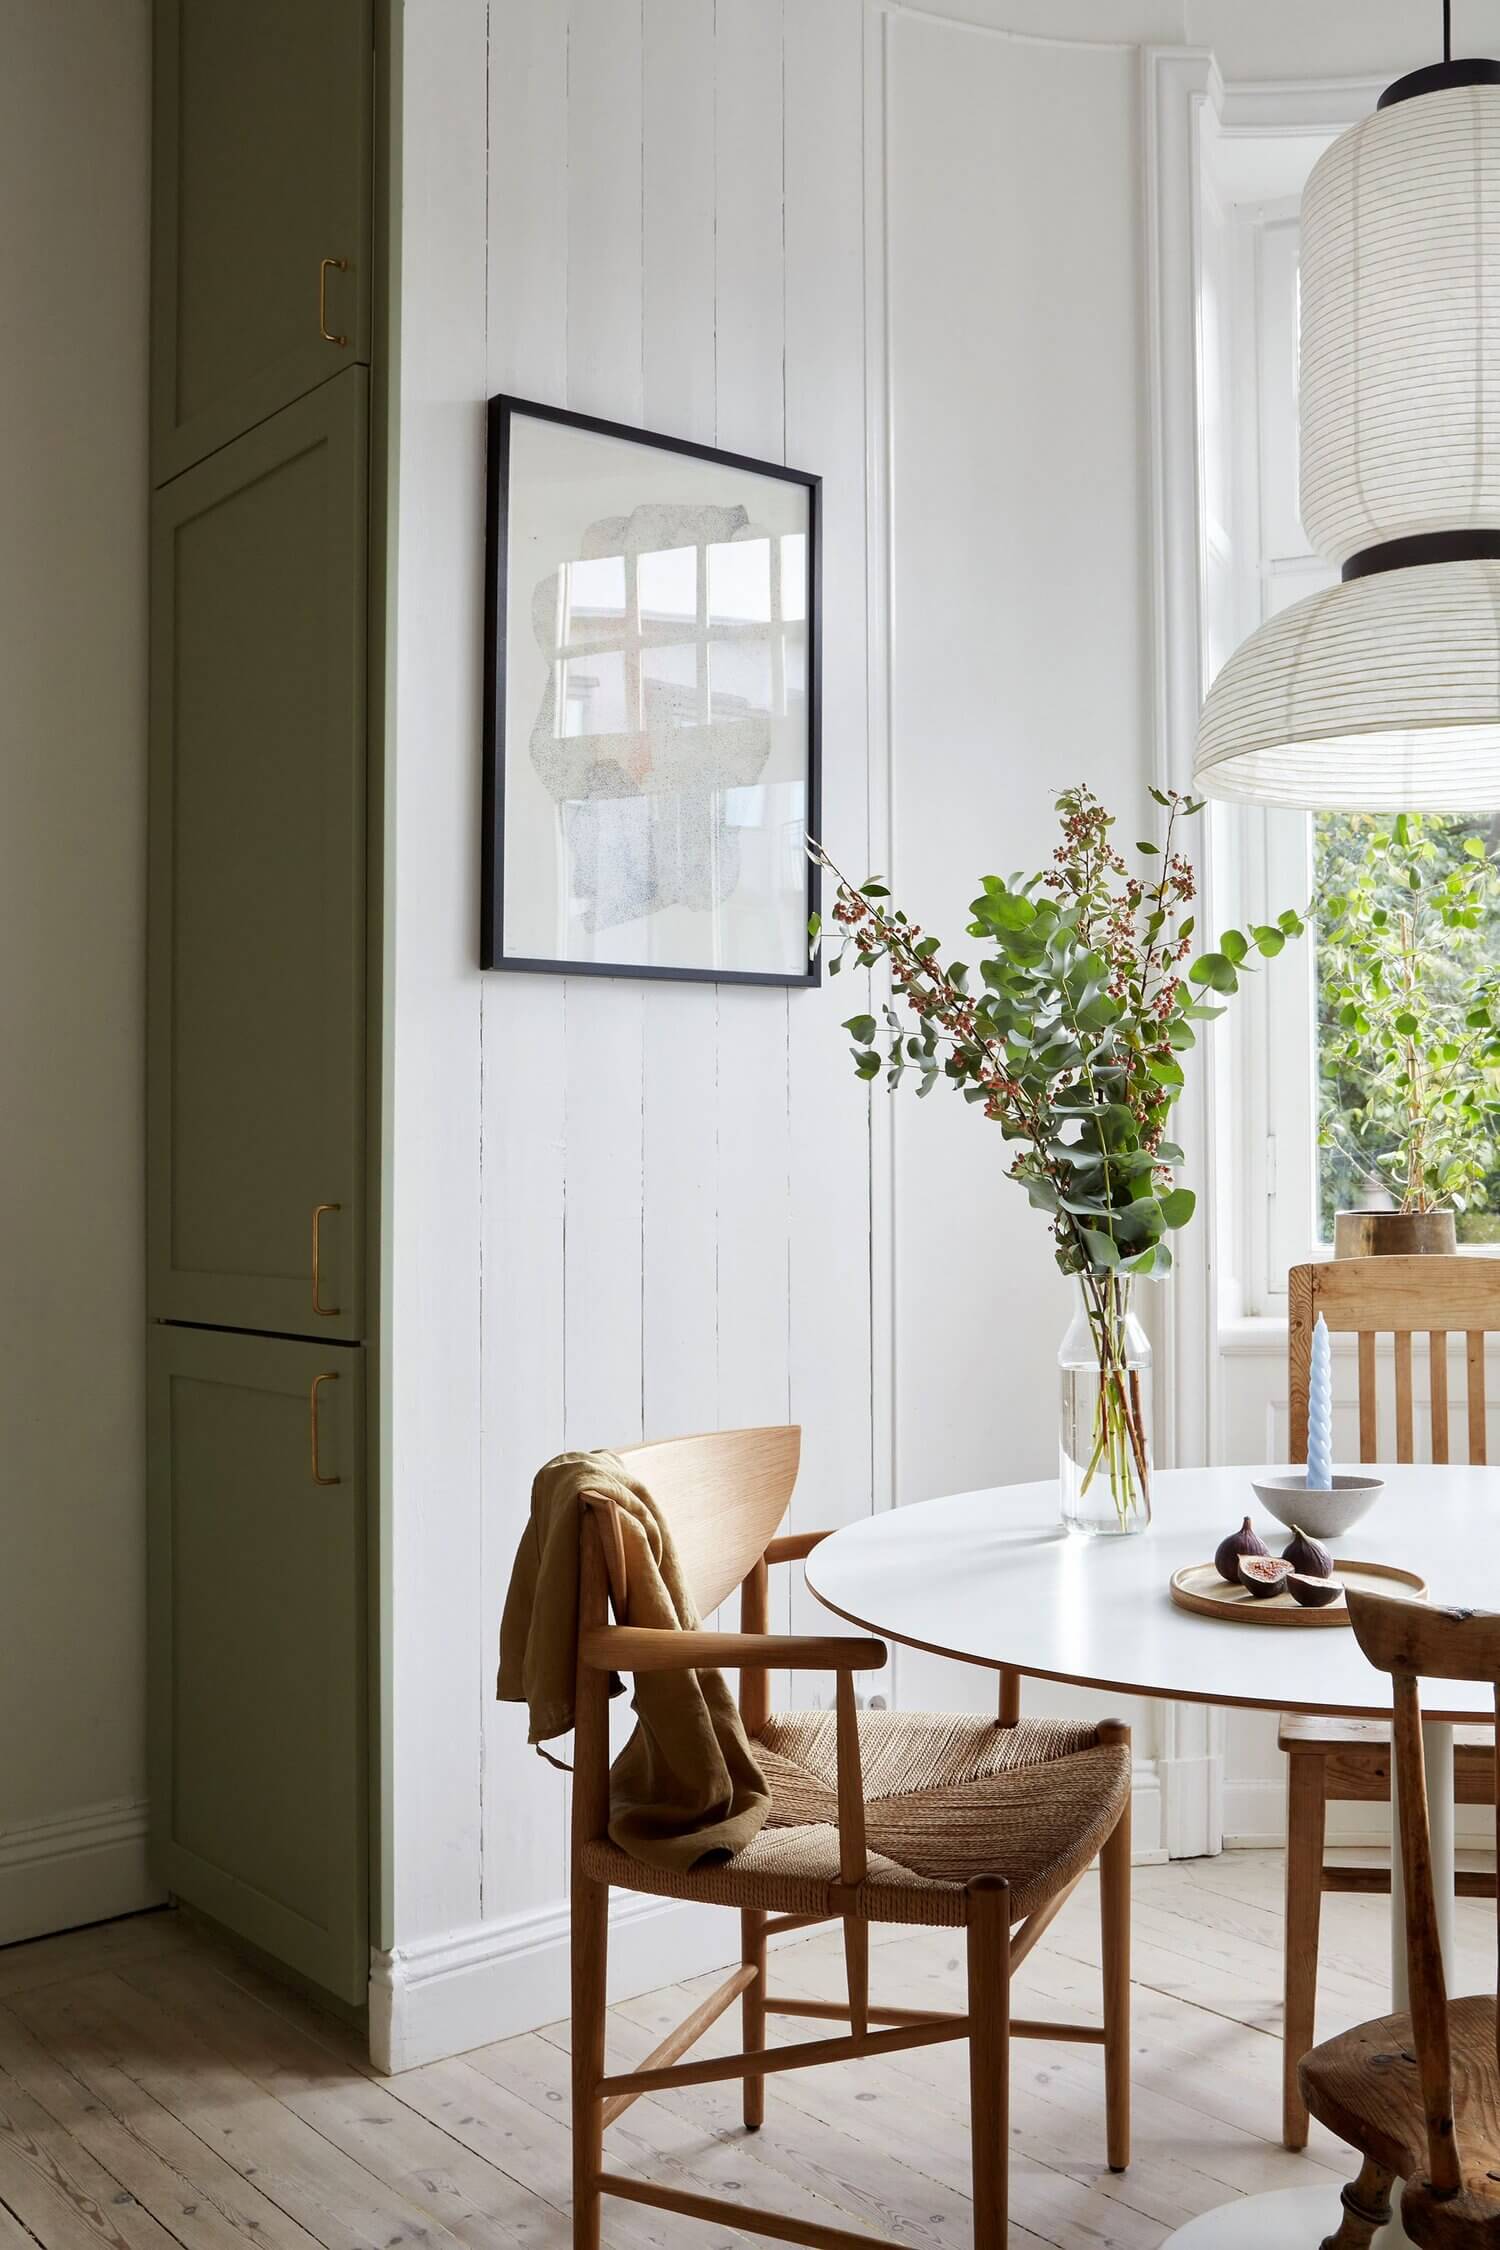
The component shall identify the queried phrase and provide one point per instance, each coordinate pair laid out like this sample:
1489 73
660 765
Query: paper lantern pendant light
1384 691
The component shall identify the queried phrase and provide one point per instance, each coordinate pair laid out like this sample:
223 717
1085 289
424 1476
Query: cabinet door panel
261 172
258 1637
257 875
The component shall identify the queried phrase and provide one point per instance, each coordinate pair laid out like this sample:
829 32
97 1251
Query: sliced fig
1229 1551
1312 1590
1306 1557
1264 1575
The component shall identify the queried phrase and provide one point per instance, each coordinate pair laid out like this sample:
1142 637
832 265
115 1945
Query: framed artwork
651 756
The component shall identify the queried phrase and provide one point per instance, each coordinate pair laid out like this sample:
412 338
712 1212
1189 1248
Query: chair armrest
795 1546
650 1648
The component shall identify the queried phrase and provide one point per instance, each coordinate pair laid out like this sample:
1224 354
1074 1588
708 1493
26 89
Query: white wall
74 113
903 245
619 1209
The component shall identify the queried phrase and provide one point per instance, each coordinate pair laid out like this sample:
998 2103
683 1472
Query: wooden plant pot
1394 1234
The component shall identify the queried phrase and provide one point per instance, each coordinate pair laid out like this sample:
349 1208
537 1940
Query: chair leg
1114 1917
1367 2205
1305 1807
590 1939
753 2013
989 2056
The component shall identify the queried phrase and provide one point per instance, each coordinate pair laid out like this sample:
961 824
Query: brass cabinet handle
312 1416
325 1312
325 266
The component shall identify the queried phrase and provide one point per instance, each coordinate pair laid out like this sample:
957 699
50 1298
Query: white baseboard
1148 1843
443 1995
75 1867
1255 1818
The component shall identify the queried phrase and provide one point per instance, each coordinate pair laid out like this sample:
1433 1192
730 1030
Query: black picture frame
503 409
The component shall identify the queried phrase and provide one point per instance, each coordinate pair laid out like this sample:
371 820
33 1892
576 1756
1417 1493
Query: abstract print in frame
651 756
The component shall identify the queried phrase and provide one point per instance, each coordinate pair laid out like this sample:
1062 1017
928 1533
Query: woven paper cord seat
947 1798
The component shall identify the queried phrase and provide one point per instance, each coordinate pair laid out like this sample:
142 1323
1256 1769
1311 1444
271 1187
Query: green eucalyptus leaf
1215 970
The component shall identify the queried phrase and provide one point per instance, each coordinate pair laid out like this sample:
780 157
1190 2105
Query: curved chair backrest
1410 1640
724 1495
1395 1297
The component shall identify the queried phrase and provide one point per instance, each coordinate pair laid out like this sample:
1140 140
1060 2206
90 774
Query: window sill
1256 1336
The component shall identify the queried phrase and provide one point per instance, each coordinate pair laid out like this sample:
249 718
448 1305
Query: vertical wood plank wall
675 1180
618 1210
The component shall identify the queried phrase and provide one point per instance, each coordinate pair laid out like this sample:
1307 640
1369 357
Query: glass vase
1104 1426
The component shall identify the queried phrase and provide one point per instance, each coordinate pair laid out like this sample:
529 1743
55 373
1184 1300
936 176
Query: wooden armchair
1349 1760
1418 2093
877 1816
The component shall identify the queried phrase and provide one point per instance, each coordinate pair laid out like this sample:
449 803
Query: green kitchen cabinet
261 238
257 1675
256 943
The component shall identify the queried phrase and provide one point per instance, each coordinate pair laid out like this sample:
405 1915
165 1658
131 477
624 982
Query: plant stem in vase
1104 1431
1070 1039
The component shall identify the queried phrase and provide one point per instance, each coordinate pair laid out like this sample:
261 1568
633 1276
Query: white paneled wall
704 1174
902 243
658 1195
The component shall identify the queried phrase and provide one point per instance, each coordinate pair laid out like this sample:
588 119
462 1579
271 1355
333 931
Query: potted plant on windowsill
1071 1042
1409 1086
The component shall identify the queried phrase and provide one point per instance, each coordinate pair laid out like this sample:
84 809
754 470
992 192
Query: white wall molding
1255 1820
1292 106
1190 1772
1177 85
443 1995
75 1867
1148 1817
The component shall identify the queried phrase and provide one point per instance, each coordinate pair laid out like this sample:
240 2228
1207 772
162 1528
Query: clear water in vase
1104 1427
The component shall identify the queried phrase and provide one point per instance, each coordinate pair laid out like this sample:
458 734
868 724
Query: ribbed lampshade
1381 694
1384 691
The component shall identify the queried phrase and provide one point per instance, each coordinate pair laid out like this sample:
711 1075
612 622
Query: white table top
991 1578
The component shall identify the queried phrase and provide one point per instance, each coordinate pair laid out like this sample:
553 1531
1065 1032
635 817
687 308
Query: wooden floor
155 2090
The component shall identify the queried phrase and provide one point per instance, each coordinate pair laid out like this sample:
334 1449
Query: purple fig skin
1306 1557
1228 1552
1264 1575
1312 1591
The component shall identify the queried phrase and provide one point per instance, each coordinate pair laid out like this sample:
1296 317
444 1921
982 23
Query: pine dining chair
1341 1761
1418 2094
941 1822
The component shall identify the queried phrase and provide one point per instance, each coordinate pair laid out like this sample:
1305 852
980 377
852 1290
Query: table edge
1104 1686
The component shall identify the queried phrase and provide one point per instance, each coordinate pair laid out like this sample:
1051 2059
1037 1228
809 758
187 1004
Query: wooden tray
1198 1586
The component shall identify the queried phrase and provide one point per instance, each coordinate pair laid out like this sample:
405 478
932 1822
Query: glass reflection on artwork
651 722
673 642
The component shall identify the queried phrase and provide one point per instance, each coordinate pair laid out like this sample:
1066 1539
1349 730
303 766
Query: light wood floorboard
157 2092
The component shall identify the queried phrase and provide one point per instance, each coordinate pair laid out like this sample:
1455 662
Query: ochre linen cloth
686 1788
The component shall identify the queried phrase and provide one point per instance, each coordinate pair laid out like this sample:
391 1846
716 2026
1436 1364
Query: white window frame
1255 562
1272 1054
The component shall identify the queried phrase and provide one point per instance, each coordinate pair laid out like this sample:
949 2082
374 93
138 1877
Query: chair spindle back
1398 1297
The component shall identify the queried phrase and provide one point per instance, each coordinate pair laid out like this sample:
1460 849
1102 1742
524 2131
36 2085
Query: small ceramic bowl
1322 1515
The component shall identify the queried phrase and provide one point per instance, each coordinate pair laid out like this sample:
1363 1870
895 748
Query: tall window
1311 1102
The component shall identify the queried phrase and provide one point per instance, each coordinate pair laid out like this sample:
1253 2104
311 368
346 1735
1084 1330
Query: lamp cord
1447 30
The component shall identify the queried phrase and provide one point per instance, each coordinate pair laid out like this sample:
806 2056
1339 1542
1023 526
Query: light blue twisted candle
1320 1413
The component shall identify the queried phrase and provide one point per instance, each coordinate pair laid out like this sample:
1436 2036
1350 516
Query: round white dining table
991 1578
